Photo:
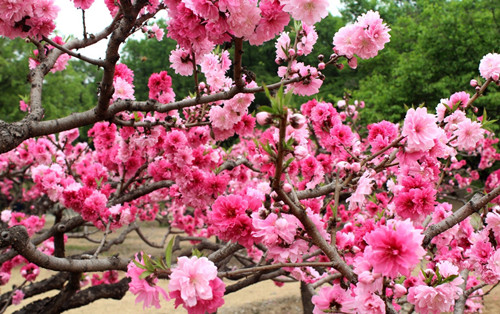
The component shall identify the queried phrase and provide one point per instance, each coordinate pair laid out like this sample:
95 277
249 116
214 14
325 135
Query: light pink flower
123 89
17 297
146 289
308 11
433 300
195 285
489 67
468 134
181 61
273 229
330 299
83 4
420 130
273 21
364 188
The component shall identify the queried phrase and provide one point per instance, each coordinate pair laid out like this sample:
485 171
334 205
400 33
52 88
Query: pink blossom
244 18
420 130
17 297
433 300
24 106
492 221
282 45
160 87
468 134
146 290
30 271
459 97
307 40
489 67
195 285
123 90
395 248
344 40
181 61
223 118
122 70
204 8
83 4
157 32
364 188
330 299
273 229
229 217
381 134
273 21
307 11
364 38
263 118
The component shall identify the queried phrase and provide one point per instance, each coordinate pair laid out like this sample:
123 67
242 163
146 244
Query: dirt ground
262 298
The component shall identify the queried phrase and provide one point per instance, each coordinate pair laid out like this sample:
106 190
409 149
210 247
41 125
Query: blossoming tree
358 215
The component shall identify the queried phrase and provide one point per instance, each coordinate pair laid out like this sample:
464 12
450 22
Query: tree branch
475 204
17 236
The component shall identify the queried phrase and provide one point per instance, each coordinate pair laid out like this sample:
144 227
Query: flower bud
473 83
300 152
321 66
399 290
495 76
287 188
321 58
291 52
353 63
297 121
264 118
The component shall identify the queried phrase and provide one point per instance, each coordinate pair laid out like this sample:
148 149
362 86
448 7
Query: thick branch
106 291
318 239
64 226
17 236
224 252
54 282
459 306
13 134
474 205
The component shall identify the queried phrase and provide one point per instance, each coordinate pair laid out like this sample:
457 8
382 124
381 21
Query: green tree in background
434 51
13 61
71 90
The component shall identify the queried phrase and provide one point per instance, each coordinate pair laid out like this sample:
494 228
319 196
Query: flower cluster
195 285
364 38
27 18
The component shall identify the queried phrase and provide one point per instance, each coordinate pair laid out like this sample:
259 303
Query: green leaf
196 252
145 274
168 252
267 109
147 262
98 182
138 264
136 116
288 162
334 211
449 279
